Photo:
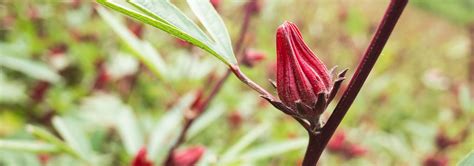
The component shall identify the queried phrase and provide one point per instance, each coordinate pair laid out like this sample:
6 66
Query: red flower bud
216 3
252 57
301 76
436 160
188 157
102 76
141 158
337 142
235 119
136 28
355 150
39 91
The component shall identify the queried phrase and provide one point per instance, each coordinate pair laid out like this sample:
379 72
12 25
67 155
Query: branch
214 91
385 28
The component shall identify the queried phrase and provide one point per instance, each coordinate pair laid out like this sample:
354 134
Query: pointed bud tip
285 25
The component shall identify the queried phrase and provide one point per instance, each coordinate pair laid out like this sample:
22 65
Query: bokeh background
65 70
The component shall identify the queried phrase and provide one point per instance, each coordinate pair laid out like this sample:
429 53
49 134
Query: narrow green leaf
143 50
273 149
28 146
465 101
129 131
31 68
211 20
154 20
167 129
73 135
169 13
205 120
243 143
50 138
468 160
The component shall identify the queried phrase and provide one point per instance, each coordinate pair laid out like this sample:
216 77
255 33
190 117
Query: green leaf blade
164 10
143 50
33 69
28 146
215 26
131 11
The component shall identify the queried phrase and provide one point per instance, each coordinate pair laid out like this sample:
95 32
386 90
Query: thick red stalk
366 64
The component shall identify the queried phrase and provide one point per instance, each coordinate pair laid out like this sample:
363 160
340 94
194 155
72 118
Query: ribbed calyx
304 84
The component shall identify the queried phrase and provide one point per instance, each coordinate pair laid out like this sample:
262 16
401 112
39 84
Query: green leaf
28 146
31 68
142 49
129 131
205 120
165 16
465 100
169 13
73 135
211 20
50 138
468 160
245 141
273 149
167 129
458 11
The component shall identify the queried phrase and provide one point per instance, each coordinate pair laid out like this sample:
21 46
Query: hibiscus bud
235 119
301 76
355 150
337 142
436 160
188 157
102 76
141 158
136 28
39 91
252 57
216 3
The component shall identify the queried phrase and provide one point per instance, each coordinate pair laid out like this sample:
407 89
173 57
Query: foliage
82 85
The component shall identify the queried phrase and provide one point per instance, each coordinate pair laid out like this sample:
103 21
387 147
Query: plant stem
385 28
214 91
242 77
311 149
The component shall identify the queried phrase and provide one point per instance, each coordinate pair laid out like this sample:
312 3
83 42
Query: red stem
366 64
215 89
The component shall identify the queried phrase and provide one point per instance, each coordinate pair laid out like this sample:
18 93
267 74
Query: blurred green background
64 69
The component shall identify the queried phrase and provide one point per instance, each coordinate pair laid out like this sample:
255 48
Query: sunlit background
65 69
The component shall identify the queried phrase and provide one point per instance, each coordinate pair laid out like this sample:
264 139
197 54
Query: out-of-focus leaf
129 131
122 65
100 108
208 118
169 13
186 68
245 141
167 17
459 11
28 146
9 158
208 158
12 91
467 104
50 138
273 149
168 128
211 20
73 135
143 50
468 160
31 68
